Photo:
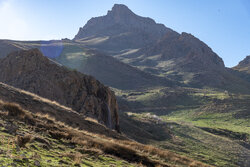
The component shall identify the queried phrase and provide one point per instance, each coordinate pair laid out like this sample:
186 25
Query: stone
37 163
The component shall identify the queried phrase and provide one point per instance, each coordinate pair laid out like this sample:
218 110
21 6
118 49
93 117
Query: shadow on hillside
144 131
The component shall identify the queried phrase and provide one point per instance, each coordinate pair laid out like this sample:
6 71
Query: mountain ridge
180 57
31 71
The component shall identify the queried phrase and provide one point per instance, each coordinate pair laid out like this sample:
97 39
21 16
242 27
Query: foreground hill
38 132
31 71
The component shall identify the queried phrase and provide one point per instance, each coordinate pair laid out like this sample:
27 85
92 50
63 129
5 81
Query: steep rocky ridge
31 71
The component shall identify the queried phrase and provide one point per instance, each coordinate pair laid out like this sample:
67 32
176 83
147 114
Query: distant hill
244 65
106 69
242 70
7 46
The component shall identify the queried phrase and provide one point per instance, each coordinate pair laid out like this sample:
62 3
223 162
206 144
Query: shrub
14 110
23 140
60 135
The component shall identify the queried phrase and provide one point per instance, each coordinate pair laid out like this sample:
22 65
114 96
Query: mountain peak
120 7
120 10
120 21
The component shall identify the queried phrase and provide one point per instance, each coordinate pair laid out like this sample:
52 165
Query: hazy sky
223 24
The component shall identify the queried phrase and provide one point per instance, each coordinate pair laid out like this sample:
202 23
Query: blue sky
223 24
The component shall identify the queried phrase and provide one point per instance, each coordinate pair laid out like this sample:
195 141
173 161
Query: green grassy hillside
207 125
38 132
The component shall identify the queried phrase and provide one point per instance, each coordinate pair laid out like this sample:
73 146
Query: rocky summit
33 72
120 29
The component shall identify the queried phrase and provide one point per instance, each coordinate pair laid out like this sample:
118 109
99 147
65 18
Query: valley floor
210 126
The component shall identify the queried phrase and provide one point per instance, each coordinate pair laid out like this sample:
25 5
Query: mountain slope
105 68
37 132
185 58
45 107
31 71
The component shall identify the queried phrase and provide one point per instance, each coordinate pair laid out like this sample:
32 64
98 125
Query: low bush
21 141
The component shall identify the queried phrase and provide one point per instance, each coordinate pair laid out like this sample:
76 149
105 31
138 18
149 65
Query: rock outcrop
31 71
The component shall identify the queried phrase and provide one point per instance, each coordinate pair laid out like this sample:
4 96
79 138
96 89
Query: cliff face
31 71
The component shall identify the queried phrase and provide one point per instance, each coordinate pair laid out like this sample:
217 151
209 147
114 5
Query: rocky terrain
31 71
47 108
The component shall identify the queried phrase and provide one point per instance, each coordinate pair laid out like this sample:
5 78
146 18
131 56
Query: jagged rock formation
120 29
31 71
